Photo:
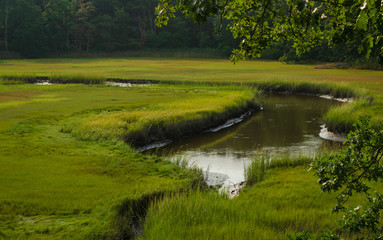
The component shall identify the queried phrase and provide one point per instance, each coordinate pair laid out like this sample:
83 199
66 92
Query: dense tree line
34 28
38 28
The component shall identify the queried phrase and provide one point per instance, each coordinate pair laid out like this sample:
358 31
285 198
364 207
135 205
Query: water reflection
286 125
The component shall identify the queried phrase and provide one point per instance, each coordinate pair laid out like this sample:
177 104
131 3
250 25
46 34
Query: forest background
126 28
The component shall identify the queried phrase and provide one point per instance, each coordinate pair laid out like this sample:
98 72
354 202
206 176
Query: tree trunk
67 41
6 30
88 42
141 28
151 22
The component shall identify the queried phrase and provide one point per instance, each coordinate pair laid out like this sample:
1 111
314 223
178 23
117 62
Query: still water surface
286 125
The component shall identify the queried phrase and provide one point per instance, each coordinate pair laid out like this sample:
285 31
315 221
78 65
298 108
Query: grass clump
31 78
17 78
255 171
191 173
314 88
341 118
77 78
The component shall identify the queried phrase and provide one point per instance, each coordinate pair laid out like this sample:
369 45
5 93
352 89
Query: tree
352 171
83 27
58 22
6 17
259 23
26 33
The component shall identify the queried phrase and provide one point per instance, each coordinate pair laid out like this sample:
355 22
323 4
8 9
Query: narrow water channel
287 124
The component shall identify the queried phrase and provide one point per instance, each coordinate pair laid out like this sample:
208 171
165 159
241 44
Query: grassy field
67 173
286 202
54 185
283 77
190 70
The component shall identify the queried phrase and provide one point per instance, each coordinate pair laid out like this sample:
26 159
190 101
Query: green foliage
26 29
108 28
351 172
258 24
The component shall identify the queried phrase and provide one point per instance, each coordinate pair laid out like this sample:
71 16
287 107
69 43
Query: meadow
54 184
67 171
274 76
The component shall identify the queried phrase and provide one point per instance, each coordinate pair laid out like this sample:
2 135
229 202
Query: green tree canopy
259 23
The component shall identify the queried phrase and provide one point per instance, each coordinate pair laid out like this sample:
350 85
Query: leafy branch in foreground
352 171
259 23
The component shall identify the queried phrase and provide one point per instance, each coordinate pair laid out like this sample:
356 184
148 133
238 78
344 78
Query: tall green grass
20 78
282 201
314 88
162 121
255 171
77 78
56 186
17 78
267 76
341 118
287 201
191 173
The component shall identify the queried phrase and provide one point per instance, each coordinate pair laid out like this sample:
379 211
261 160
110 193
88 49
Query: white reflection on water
232 163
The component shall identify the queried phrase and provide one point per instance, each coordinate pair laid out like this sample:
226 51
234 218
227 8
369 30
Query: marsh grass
55 186
313 88
267 76
77 78
17 78
255 171
152 123
341 118
283 200
20 78
287 201
190 172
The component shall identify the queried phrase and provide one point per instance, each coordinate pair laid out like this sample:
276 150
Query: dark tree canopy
41 28
259 23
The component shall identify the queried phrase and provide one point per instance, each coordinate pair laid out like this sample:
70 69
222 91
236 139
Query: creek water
287 124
